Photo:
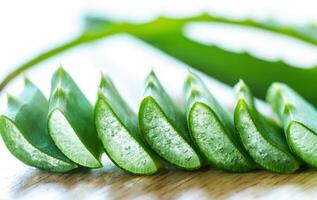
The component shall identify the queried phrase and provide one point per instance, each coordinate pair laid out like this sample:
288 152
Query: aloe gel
264 141
299 119
24 132
163 128
117 127
212 130
71 122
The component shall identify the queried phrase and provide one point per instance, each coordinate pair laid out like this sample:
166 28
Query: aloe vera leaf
307 32
225 65
163 128
212 129
71 122
298 117
167 35
24 132
117 127
264 141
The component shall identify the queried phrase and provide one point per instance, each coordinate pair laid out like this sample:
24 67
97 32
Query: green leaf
225 65
167 35
71 123
307 32
212 129
24 132
163 128
117 126
299 121
264 141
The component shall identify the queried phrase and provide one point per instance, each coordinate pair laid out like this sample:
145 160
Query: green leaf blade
24 132
299 120
163 129
117 127
71 123
224 65
212 129
264 142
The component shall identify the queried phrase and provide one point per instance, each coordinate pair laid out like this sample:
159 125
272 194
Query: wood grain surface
22 182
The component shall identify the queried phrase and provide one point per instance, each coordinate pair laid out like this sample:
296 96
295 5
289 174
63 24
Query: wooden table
18 181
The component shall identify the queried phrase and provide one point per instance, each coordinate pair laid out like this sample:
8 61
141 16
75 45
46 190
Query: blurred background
29 28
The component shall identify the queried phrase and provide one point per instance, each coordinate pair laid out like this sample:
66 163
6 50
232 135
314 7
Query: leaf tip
152 73
100 92
277 88
241 82
150 82
59 92
106 82
26 80
241 86
60 71
191 77
288 107
11 99
151 78
103 81
194 92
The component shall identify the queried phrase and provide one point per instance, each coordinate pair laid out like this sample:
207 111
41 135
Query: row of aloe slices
65 132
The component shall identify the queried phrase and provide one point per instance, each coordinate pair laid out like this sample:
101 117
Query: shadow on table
112 183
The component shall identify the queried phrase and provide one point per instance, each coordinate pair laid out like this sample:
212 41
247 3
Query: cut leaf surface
299 121
264 141
71 123
24 132
212 129
117 126
163 127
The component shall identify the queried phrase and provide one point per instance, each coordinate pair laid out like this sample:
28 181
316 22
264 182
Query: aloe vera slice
117 127
299 119
212 129
264 140
163 128
24 132
71 123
